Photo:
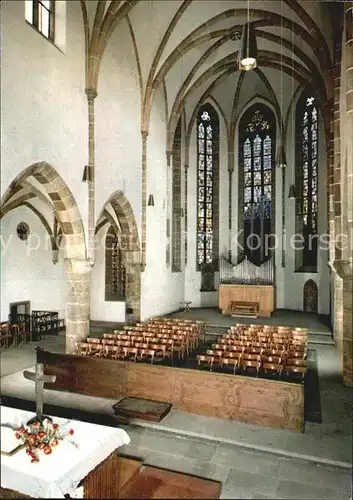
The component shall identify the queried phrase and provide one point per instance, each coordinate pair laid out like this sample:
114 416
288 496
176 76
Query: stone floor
250 461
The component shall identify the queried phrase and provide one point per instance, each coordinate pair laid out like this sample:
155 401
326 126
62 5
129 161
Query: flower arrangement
41 436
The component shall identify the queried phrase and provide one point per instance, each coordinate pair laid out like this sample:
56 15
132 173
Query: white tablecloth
59 473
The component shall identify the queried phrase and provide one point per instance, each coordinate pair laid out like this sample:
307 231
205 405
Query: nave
250 461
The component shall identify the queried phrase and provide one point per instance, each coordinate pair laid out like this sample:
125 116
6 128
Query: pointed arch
306 180
62 200
128 243
256 153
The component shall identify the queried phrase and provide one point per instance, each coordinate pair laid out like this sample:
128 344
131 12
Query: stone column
78 302
335 197
133 286
91 95
348 132
144 135
230 197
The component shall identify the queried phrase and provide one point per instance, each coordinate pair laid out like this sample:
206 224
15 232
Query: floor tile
297 490
250 485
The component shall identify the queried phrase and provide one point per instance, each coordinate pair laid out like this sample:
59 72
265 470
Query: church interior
177 235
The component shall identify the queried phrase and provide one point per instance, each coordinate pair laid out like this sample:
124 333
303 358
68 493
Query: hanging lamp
248 48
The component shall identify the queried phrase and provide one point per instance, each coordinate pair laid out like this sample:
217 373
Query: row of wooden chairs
13 334
284 346
177 343
268 351
268 328
152 352
257 363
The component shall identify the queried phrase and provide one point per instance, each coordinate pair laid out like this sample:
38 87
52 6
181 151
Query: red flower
31 439
47 450
41 435
17 435
41 446
55 426
71 431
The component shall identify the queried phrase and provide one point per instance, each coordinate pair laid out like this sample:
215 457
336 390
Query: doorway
18 309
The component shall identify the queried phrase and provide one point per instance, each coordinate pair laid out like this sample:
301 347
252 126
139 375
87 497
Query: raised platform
252 400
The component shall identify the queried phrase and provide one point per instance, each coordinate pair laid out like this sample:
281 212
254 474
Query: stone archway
130 246
310 297
57 195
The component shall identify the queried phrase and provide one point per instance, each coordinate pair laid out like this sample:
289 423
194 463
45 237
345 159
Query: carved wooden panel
251 400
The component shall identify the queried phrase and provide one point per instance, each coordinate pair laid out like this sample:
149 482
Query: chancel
177 232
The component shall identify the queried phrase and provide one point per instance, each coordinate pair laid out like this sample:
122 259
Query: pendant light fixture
248 49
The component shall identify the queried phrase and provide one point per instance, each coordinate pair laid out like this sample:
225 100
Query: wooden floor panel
152 482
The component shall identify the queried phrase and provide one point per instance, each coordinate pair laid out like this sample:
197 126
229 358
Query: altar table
60 472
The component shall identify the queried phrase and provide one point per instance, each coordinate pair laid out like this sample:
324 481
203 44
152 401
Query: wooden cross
39 379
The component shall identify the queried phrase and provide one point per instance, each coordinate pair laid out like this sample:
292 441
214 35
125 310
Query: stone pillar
78 302
335 198
348 126
133 286
186 168
91 95
144 135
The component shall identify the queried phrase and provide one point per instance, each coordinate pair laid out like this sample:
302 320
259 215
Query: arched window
176 200
207 187
115 273
307 181
257 138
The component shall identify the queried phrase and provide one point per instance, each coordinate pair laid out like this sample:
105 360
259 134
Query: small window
41 14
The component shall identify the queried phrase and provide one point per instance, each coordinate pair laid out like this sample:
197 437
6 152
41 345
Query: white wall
161 290
117 124
102 310
27 269
43 102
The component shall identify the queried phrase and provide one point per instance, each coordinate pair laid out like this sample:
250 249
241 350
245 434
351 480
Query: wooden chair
111 351
15 333
230 361
5 334
247 364
296 362
147 353
275 360
130 353
293 370
81 348
201 358
273 368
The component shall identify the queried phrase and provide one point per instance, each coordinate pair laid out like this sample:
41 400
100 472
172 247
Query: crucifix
39 378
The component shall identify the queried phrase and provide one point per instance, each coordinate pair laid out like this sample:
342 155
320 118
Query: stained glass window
207 165
40 13
256 159
115 272
307 179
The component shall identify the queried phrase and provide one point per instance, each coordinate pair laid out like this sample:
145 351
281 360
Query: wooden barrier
252 400
264 295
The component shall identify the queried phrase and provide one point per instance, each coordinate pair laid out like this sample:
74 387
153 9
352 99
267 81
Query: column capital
78 266
144 134
91 94
344 268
